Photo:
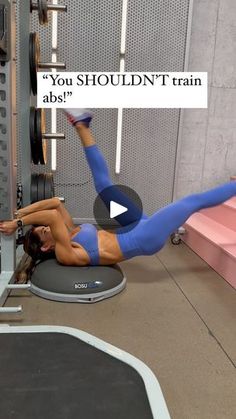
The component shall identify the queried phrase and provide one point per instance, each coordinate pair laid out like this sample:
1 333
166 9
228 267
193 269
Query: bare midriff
108 247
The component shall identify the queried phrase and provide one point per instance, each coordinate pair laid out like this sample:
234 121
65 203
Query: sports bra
88 238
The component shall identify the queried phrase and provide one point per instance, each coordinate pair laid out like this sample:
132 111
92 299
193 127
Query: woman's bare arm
45 217
64 251
66 216
46 204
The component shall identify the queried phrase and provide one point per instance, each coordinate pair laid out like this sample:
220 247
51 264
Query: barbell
38 135
43 8
34 61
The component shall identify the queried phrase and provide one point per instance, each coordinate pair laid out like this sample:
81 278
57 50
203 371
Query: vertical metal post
24 97
7 139
8 263
8 113
54 110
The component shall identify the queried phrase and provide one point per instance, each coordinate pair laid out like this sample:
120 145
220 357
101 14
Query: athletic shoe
79 115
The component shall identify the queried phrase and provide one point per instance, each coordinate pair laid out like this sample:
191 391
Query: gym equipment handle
18 286
17 309
56 8
52 136
52 65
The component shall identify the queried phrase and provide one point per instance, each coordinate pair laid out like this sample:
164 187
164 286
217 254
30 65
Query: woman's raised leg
152 234
99 169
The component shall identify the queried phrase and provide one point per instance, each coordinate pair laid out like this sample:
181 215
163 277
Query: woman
55 232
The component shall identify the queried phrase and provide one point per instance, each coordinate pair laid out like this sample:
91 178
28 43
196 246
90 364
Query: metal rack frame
8 144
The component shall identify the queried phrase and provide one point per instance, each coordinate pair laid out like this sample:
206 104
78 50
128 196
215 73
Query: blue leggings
151 233
106 188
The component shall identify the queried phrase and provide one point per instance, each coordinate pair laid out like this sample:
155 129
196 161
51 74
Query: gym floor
176 314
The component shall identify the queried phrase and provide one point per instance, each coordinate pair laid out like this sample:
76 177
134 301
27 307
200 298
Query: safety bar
18 286
10 309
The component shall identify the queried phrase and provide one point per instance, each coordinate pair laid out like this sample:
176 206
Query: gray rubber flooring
176 314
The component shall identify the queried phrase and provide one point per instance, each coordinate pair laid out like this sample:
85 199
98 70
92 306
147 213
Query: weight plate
34 58
40 131
43 12
49 186
41 178
34 188
33 141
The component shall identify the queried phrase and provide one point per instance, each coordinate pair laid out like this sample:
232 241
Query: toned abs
109 249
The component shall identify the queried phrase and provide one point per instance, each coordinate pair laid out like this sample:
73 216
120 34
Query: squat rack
9 115
8 163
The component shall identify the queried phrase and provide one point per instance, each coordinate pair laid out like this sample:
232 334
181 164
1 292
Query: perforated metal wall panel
89 40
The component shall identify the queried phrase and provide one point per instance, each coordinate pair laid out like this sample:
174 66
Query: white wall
207 153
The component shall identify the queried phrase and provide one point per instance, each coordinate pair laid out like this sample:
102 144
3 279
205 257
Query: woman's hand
8 227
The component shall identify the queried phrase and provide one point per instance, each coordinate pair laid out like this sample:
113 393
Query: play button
118 209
